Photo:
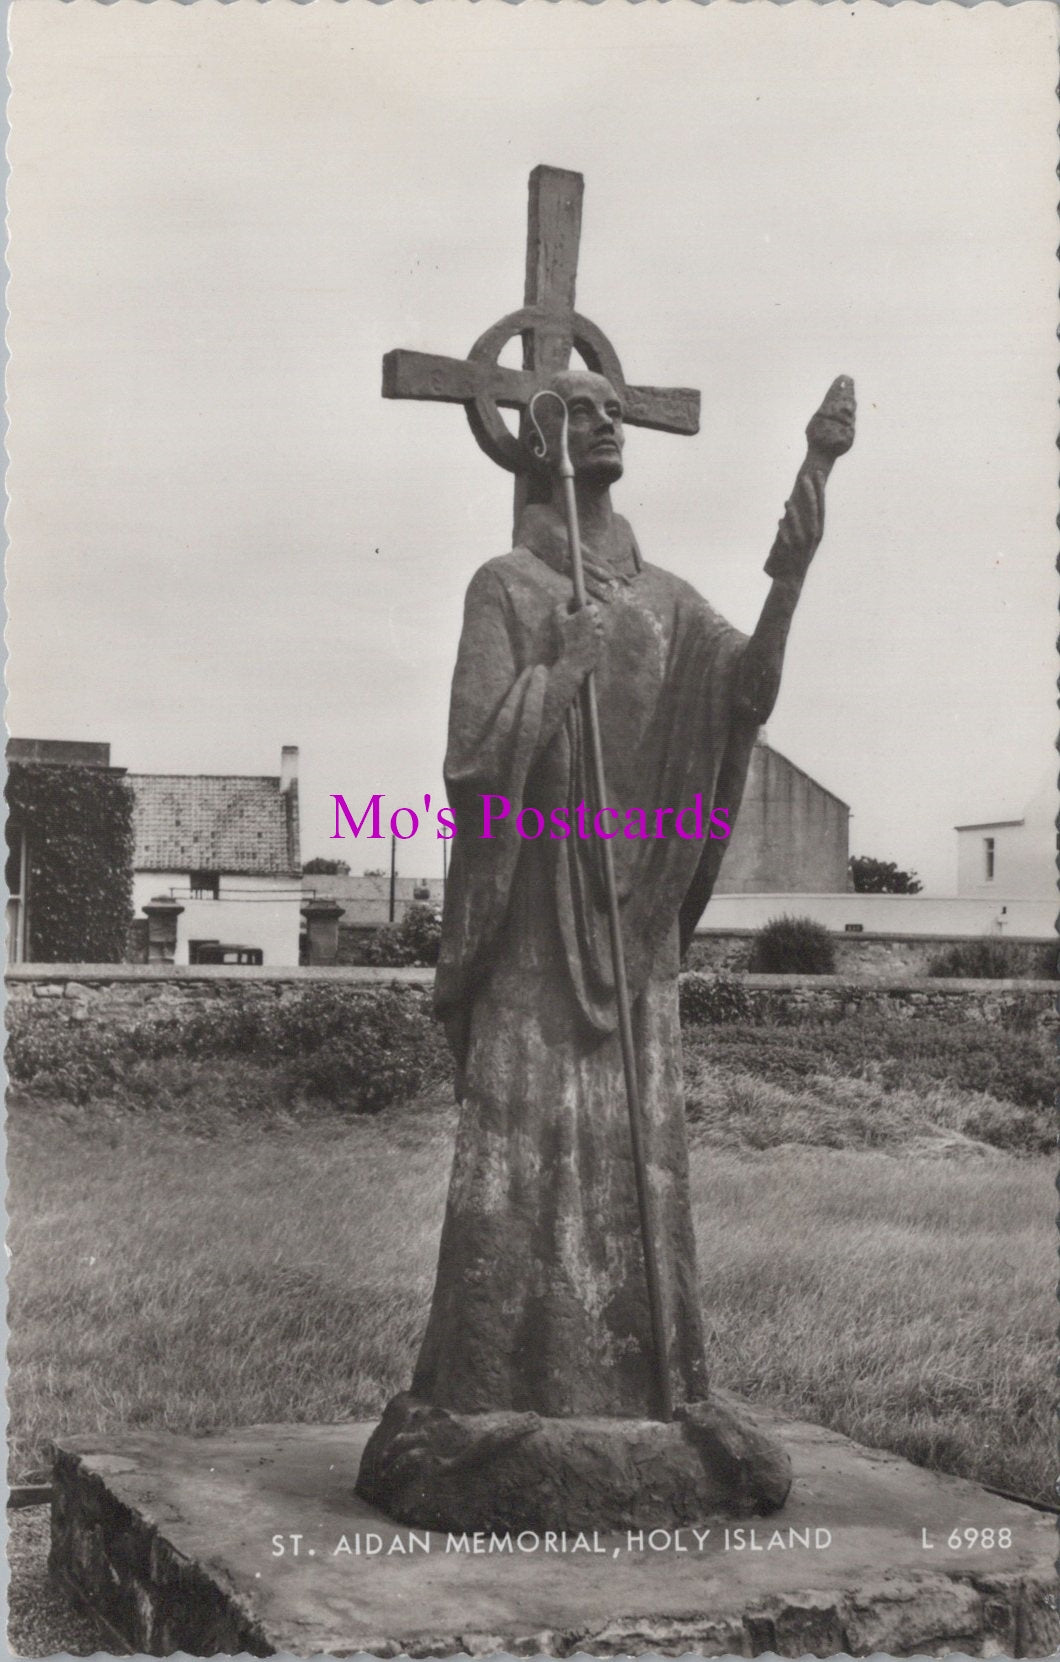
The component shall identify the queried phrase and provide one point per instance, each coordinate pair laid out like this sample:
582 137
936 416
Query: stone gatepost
162 914
322 926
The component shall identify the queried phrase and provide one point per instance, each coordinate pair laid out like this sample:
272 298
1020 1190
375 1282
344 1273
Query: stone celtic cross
550 328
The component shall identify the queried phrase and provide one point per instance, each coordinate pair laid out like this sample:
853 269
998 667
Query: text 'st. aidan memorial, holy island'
559 1432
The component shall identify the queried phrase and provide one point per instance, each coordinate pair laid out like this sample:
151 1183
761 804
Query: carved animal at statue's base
432 1469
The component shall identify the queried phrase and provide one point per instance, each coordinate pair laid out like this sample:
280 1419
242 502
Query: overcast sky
223 540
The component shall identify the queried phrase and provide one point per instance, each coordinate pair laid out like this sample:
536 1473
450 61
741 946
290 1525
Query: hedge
79 827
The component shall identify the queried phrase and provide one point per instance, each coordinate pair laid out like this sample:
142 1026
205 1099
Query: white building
225 847
1012 858
1006 885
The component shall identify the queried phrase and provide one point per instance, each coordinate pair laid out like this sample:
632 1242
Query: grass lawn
866 1262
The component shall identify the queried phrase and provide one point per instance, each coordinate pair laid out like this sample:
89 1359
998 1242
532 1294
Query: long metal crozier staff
645 1199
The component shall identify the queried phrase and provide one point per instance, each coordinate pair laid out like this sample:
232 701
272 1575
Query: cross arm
455 380
428 375
667 409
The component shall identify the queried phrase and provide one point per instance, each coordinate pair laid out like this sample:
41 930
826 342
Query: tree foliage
871 876
318 866
78 823
416 939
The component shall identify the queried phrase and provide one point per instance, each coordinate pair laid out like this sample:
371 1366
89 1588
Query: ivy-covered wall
79 826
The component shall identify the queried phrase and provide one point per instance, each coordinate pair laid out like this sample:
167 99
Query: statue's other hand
831 430
581 636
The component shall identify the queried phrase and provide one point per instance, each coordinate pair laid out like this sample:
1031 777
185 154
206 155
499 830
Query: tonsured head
594 435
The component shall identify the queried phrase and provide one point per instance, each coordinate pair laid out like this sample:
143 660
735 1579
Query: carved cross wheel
550 328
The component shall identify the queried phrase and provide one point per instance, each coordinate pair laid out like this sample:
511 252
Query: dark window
204 885
988 856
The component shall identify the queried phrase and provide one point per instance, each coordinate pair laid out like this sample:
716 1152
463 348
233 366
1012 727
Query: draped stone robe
540 1297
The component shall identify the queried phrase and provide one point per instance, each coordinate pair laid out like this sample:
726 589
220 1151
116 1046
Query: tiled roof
214 822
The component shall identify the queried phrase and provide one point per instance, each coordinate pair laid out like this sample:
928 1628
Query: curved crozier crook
537 440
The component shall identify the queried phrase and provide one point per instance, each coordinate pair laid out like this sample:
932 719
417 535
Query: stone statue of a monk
535 1375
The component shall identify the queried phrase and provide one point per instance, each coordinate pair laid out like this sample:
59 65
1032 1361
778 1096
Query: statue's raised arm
829 434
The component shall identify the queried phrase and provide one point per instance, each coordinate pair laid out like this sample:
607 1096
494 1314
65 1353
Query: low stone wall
121 994
124 994
864 956
825 998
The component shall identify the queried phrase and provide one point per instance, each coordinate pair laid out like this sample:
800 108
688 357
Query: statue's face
595 436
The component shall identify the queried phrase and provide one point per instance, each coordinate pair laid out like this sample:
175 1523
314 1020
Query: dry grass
181 1282
898 1288
904 1300
735 1109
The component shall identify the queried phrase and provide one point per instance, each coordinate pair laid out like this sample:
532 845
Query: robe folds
540 1298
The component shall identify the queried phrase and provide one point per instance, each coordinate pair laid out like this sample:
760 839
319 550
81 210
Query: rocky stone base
254 1541
429 1467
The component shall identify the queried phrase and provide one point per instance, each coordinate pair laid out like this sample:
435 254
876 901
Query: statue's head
594 435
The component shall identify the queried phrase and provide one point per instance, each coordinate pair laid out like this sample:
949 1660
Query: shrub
713 999
898 1054
792 946
991 958
383 950
360 1053
415 940
59 1058
362 1065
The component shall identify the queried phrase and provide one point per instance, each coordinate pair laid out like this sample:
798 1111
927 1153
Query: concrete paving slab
254 1540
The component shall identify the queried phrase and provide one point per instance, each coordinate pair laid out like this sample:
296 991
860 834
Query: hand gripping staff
645 1199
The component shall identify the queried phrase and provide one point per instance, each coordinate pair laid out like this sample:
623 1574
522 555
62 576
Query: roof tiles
214 822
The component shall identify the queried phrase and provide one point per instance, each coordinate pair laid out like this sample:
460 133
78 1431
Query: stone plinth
174 1542
431 1468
